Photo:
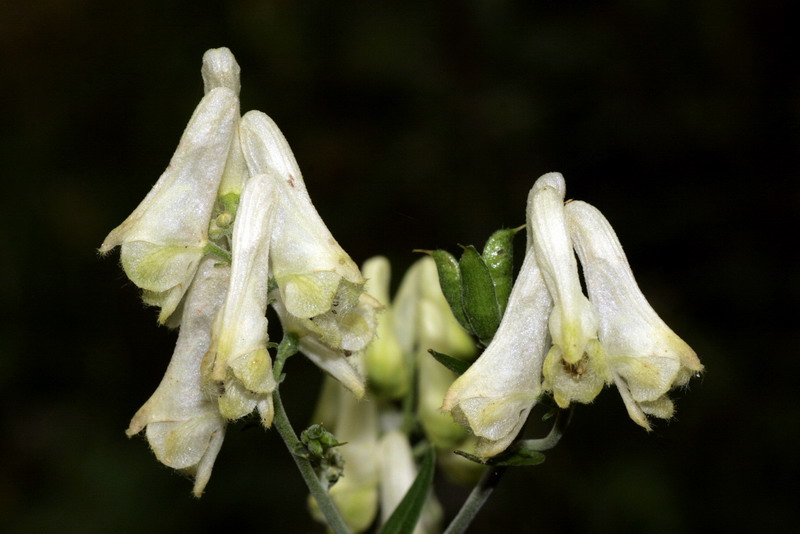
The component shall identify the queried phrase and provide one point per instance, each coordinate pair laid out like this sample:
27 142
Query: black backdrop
417 125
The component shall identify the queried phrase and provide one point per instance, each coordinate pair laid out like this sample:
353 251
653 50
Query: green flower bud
478 295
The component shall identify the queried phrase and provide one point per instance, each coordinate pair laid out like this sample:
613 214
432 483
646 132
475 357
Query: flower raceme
553 338
233 190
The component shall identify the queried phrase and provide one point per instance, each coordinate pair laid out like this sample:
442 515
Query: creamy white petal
574 368
339 364
646 356
498 391
184 427
238 358
220 69
307 262
163 239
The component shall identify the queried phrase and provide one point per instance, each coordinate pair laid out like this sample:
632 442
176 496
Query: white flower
238 368
336 363
494 396
614 335
397 473
165 237
319 283
387 367
646 358
184 428
574 369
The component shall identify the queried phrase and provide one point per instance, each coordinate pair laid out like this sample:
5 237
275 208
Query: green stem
491 477
218 251
317 489
562 419
480 493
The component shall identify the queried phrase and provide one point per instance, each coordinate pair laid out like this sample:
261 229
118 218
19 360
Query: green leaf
406 515
520 456
471 457
454 364
478 295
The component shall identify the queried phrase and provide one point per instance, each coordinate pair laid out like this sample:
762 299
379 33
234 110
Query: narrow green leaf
454 364
450 282
519 457
498 254
470 457
406 515
478 295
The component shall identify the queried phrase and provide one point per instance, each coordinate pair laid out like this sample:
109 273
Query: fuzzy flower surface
164 239
319 283
645 356
495 395
554 338
183 426
237 368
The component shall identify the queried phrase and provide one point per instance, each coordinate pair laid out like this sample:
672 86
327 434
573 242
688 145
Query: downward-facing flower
396 473
337 363
574 369
237 368
319 283
646 358
494 396
183 426
164 239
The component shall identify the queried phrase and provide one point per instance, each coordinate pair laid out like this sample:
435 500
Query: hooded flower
646 358
237 368
575 368
164 239
614 335
183 426
319 283
494 396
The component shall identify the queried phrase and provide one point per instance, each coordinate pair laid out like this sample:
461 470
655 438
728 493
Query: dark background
416 126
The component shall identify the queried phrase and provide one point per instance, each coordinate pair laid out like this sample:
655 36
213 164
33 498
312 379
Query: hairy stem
316 487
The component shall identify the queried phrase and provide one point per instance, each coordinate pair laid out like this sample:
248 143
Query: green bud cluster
318 447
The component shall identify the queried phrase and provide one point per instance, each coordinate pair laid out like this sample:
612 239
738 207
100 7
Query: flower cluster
554 339
228 229
379 466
